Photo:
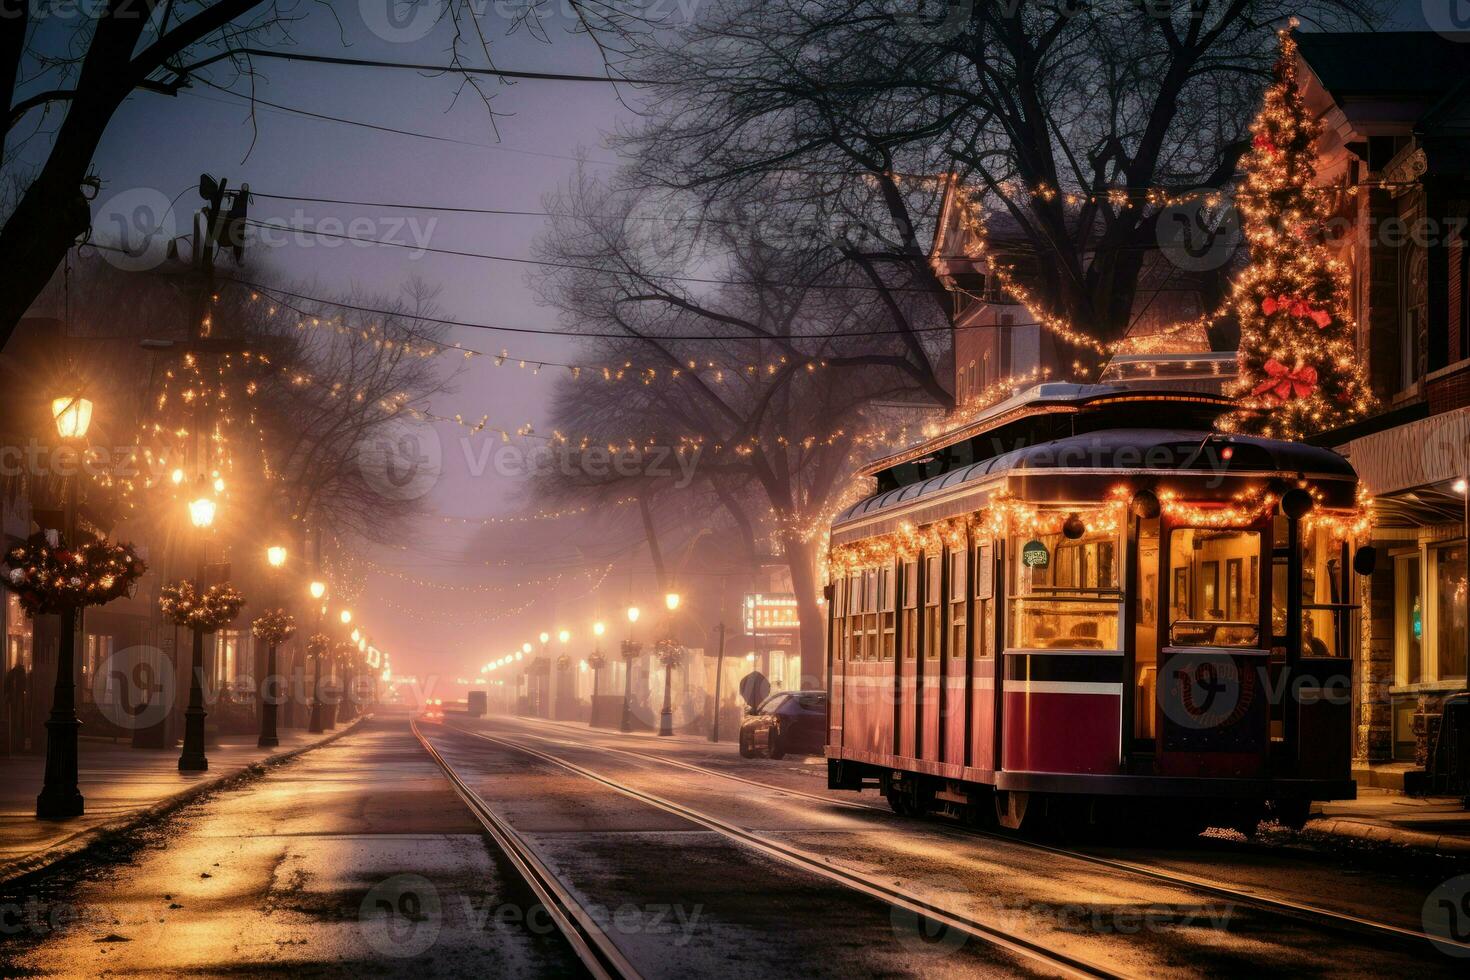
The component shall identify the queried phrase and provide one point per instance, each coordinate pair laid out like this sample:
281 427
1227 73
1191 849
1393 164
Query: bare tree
1062 116
761 377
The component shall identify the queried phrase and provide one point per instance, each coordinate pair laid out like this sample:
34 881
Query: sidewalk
121 786
1382 816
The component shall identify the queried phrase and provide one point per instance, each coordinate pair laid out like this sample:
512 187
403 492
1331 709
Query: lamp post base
192 758
315 726
59 798
666 722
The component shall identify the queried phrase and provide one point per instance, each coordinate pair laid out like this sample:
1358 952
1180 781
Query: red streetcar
1092 607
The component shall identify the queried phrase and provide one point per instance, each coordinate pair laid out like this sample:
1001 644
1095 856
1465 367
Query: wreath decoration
320 645
670 653
631 649
215 609
564 662
274 626
49 575
597 661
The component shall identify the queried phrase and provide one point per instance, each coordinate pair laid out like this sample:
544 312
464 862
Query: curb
1447 844
19 869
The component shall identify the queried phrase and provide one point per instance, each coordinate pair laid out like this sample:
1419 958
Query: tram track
1312 914
592 946
1052 961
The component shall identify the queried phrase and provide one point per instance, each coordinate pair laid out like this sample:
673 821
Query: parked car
791 721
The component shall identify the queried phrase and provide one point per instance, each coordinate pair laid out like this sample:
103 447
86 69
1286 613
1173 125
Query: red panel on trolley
1052 732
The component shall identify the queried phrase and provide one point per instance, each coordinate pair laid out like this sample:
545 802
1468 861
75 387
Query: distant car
788 722
433 710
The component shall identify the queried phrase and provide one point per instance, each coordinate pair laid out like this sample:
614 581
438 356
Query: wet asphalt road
358 860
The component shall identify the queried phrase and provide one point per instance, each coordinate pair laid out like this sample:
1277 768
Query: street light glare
525 648
275 555
632 614
73 415
564 635
346 616
318 589
545 637
672 601
598 629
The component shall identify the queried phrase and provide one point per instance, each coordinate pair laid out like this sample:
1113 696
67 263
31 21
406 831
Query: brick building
1396 140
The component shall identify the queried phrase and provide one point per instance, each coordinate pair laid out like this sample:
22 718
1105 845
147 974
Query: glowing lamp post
275 557
59 797
192 758
631 650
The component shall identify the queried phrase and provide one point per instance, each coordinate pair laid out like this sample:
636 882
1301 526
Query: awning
1416 454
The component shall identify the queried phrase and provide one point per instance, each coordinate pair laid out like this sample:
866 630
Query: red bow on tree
1297 307
1283 384
1263 143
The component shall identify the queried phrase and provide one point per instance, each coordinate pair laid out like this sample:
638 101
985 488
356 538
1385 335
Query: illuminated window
1212 600
887 613
1064 592
958 584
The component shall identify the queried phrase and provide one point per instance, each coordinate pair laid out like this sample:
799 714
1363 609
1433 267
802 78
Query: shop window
1409 620
1210 602
1065 592
1449 634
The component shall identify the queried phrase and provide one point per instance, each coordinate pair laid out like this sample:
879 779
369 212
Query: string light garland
1005 515
1299 371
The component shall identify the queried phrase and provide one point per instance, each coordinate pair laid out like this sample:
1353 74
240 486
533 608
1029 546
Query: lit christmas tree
1299 371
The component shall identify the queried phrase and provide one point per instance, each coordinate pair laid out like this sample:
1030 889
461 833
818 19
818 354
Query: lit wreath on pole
274 627
211 612
48 575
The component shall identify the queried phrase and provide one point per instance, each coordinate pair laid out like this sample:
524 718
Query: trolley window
910 609
838 621
1214 598
933 610
887 613
958 583
1064 592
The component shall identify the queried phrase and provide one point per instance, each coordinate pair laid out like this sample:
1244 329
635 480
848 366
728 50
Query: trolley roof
1095 431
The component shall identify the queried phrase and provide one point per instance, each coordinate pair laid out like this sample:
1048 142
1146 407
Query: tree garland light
1299 372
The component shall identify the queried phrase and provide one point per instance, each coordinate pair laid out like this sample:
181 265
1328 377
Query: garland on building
210 612
1299 371
48 575
274 626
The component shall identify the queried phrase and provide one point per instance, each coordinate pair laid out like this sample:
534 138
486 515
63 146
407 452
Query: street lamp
73 415
59 797
598 629
545 637
672 601
564 636
525 648
191 755
202 507
346 616
275 556
318 589
633 614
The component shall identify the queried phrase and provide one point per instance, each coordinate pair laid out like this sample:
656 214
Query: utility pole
714 735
